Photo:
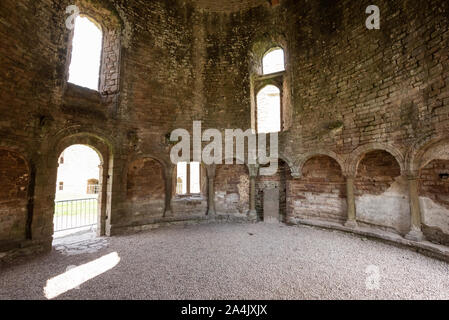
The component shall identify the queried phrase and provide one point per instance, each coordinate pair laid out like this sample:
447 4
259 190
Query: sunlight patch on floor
73 278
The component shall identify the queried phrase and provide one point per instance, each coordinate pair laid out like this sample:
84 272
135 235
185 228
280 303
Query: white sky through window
194 177
274 61
86 54
269 110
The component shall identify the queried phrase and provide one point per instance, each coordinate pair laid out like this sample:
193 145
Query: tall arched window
86 54
269 110
271 97
273 61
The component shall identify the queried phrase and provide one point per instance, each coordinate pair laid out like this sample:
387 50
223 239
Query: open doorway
78 192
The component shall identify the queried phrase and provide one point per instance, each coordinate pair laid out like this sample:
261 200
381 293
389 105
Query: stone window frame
109 73
188 193
258 81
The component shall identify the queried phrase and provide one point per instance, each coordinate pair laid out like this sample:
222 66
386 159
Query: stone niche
14 178
382 193
232 190
145 190
320 194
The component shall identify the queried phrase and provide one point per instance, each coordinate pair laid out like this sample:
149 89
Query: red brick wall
145 188
376 173
14 181
231 189
432 186
320 193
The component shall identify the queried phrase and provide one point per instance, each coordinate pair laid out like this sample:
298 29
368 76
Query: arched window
188 178
269 110
86 54
273 61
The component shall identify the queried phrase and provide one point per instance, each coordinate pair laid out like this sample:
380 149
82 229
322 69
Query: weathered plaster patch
434 215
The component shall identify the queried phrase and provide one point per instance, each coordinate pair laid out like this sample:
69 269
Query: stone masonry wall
179 61
231 189
14 180
145 190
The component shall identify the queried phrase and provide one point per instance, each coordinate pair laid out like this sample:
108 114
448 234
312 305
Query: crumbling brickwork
232 189
14 181
320 193
376 173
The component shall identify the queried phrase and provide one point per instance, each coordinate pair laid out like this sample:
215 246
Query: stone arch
424 150
269 82
290 163
160 160
319 192
105 151
267 53
108 19
381 190
357 155
309 155
428 160
18 147
264 42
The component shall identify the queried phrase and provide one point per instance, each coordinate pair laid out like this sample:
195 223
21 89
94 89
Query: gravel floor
236 261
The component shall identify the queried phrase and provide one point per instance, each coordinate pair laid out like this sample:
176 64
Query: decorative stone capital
253 170
211 170
295 173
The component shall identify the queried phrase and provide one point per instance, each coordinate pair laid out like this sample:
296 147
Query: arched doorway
78 191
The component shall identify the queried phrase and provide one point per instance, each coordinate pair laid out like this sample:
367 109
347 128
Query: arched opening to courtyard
78 191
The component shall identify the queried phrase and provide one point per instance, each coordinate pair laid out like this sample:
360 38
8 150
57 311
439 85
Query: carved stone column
253 172
415 233
350 198
211 190
168 191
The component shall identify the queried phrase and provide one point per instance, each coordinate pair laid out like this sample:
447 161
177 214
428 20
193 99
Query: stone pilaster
168 191
253 172
350 198
211 191
415 233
